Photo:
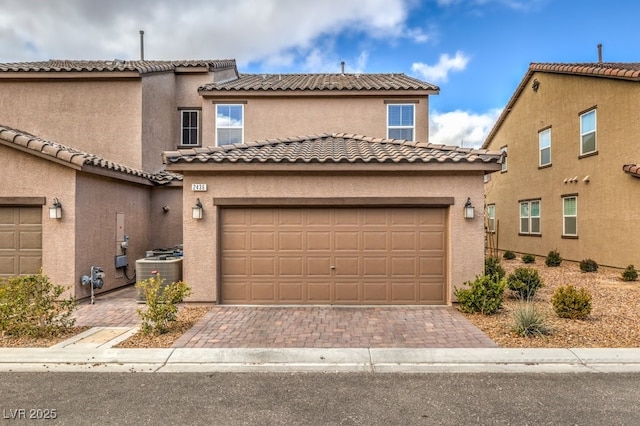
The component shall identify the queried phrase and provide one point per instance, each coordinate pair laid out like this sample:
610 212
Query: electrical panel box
121 261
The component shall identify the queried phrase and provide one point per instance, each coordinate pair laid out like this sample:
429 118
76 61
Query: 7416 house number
29 413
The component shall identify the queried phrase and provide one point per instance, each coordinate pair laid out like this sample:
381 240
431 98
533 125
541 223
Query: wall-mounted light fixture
165 209
196 211
536 85
469 210
55 211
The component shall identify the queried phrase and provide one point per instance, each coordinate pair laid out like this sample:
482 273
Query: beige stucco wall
25 175
465 243
101 117
160 119
166 227
607 215
275 117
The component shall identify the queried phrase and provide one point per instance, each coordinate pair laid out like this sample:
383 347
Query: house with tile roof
131 149
570 132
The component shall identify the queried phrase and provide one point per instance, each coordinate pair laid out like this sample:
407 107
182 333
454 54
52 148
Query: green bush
485 295
525 282
161 304
588 265
630 274
529 321
569 302
492 267
553 258
509 255
528 258
30 305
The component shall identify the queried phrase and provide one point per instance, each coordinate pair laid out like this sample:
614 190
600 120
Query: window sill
546 166
504 171
520 234
569 237
188 146
588 154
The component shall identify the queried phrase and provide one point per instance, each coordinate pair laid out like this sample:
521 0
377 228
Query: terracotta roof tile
69 155
142 67
632 169
623 70
332 148
320 82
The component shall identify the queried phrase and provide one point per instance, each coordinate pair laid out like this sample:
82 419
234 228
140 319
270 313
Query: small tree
161 304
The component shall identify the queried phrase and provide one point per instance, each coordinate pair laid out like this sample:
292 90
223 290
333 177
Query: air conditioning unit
168 267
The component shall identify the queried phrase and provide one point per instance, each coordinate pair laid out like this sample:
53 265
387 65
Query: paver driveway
303 326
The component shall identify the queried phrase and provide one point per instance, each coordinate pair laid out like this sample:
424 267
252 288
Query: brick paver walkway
302 327
334 327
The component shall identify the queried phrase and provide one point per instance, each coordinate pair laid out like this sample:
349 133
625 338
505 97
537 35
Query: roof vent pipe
599 53
141 45
342 66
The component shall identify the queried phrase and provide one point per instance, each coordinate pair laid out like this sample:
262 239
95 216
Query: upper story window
491 217
530 217
400 121
588 132
229 124
544 142
504 159
190 125
570 216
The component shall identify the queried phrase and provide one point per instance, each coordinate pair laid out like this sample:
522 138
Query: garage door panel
334 255
30 240
8 265
29 264
8 240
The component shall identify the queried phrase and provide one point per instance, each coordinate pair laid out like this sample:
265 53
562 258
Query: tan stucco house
331 219
90 135
571 176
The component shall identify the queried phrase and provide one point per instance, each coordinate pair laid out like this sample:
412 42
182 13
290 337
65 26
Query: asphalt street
320 398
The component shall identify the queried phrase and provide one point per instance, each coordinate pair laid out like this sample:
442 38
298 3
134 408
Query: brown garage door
333 255
20 240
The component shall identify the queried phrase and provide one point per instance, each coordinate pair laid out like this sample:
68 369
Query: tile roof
115 65
324 82
333 148
614 70
632 169
75 158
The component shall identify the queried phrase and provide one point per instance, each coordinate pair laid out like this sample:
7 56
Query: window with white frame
588 132
570 216
530 217
504 159
400 121
544 142
190 124
491 217
229 124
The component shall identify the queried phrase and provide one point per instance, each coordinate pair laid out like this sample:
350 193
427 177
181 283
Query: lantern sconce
55 211
469 210
196 211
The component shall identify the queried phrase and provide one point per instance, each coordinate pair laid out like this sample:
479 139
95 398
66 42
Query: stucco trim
23 201
336 202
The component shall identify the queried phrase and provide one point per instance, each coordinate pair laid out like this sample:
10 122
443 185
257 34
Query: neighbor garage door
20 240
333 255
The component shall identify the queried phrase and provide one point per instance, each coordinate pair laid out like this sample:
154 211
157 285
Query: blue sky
477 51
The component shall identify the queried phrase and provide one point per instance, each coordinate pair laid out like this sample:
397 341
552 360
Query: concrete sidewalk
363 360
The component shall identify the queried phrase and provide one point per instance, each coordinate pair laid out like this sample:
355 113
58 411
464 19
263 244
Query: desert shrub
492 267
529 321
509 255
161 303
30 305
485 295
629 274
569 302
525 282
553 258
528 258
588 265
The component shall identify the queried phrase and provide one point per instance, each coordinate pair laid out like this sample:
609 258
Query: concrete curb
370 360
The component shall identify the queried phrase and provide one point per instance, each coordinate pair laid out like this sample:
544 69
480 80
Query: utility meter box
168 267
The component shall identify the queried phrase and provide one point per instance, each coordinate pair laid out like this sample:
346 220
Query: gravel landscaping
614 321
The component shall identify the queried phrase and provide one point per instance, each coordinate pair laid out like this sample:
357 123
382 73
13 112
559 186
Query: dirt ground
614 321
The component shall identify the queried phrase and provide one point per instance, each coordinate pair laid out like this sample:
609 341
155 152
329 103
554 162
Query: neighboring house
90 134
571 177
331 219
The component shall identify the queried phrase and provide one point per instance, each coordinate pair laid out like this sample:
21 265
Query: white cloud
439 73
461 128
